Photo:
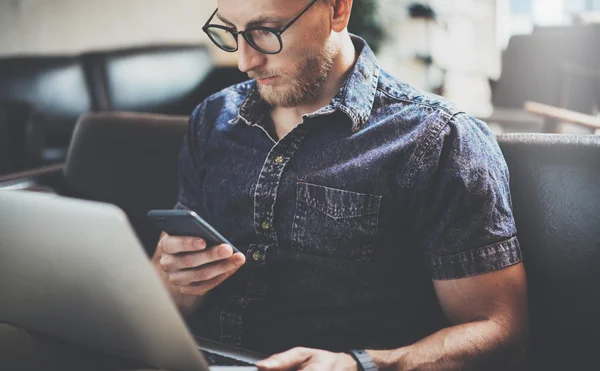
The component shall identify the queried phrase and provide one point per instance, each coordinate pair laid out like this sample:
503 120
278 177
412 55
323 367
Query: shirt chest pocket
335 222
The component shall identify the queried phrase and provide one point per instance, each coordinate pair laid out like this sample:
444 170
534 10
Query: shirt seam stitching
507 241
420 152
444 108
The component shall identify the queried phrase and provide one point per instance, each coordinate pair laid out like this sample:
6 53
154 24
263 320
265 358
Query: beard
303 84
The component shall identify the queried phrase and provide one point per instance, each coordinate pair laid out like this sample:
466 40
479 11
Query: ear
341 14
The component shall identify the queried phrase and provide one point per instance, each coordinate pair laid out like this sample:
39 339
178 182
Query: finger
204 273
179 244
203 287
316 367
292 359
172 263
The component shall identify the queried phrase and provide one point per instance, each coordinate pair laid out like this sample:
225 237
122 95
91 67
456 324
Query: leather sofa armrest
44 179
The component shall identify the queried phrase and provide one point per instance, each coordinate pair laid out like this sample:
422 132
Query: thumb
289 360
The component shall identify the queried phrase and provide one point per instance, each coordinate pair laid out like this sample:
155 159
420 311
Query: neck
342 64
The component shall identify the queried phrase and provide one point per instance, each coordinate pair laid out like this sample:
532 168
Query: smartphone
187 223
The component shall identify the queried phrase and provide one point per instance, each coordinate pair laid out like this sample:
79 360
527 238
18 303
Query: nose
248 57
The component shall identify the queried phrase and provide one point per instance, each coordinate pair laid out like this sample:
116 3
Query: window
523 7
579 6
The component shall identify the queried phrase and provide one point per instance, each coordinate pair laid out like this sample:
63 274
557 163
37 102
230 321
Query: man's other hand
194 267
306 359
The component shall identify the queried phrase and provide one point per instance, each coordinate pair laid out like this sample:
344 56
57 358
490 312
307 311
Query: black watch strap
364 360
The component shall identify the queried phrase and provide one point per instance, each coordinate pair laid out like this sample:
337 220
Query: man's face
295 75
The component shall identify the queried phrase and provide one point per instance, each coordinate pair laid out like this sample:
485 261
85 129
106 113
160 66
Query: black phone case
187 223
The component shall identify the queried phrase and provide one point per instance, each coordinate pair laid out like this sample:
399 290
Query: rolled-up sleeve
461 201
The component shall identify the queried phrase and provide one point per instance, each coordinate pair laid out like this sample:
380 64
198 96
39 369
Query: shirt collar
355 97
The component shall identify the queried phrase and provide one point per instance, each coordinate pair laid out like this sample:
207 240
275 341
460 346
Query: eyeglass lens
262 39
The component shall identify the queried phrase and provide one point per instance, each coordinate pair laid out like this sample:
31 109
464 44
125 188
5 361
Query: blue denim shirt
346 220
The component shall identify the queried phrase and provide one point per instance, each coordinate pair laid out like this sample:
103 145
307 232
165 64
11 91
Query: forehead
239 12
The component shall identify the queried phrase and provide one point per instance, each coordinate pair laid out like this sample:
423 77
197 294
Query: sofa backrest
169 79
535 68
55 86
555 185
127 159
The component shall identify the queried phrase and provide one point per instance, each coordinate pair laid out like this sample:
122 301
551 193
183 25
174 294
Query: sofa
56 90
131 159
557 66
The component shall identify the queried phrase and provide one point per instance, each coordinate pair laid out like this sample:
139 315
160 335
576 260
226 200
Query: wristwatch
363 359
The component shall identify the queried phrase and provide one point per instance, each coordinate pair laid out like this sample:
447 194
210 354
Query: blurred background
519 65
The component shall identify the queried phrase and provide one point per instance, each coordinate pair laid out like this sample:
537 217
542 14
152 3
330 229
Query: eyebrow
254 22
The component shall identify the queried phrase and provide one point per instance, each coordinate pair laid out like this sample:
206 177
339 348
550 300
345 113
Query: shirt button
256 256
266 226
278 159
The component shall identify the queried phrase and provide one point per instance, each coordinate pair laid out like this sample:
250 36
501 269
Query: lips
266 80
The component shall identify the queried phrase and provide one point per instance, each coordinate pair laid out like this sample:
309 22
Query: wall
73 26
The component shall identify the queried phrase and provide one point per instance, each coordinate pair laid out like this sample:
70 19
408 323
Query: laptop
75 270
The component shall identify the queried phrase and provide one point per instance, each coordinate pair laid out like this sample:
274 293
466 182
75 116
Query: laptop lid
75 270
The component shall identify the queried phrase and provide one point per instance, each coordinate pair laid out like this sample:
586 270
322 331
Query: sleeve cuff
477 261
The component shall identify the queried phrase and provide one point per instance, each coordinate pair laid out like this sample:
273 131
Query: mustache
263 75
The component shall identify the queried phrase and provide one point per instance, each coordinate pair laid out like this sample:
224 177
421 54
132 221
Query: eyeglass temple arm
298 16
210 19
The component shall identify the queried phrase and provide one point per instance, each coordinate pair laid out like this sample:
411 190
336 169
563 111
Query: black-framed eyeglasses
266 40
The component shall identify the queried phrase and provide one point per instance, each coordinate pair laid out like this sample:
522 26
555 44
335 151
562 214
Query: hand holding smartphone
190 266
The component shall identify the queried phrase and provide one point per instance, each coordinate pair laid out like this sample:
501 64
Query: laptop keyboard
215 359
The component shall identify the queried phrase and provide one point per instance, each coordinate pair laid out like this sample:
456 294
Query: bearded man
374 221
